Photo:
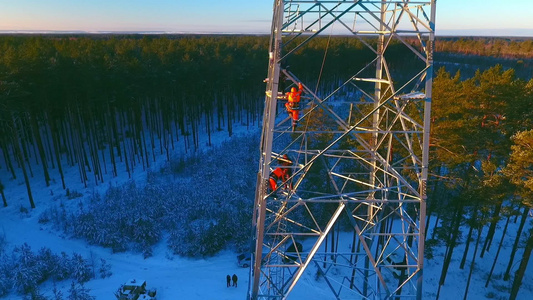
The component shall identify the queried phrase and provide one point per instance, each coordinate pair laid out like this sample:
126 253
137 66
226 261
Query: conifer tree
520 172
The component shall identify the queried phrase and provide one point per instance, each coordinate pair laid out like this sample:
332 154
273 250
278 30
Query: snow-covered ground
182 278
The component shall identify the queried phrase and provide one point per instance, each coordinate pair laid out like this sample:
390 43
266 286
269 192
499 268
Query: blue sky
468 17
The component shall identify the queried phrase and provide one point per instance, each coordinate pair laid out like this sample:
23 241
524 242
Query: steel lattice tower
359 155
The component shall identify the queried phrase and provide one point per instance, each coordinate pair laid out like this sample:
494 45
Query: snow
177 277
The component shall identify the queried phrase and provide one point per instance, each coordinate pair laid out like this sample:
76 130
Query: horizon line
446 33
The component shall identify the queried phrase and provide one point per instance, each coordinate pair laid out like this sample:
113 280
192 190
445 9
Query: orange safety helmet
293 90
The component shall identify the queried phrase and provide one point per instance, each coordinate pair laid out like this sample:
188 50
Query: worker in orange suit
293 103
281 173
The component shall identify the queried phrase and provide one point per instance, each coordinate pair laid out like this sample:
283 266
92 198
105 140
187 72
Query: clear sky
454 17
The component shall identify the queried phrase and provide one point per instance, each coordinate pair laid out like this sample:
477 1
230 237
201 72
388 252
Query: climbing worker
281 173
293 103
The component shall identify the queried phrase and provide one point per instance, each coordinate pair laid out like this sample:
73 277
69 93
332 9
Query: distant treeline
499 47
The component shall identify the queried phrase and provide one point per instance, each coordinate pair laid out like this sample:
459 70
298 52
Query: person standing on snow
228 280
234 278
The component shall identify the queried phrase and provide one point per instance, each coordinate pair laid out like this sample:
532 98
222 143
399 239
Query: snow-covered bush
204 204
105 269
34 295
73 194
44 217
48 263
215 215
3 242
5 284
199 239
6 280
26 272
79 292
58 294
145 230
24 212
63 267
81 269
57 215
117 241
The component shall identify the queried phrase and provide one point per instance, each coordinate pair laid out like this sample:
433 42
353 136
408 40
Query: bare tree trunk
492 229
93 152
149 127
208 124
2 193
453 242
220 114
143 137
138 128
166 142
480 230
435 225
116 138
498 252
47 139
3 197
230 120
5 150
57 150
81 131
18 153
465 254
67 138
449 251
124 146
40 146
432 204
522 268
93 135
100 141
515 245
25 152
